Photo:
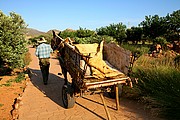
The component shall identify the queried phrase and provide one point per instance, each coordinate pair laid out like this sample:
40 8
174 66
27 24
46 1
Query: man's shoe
45 83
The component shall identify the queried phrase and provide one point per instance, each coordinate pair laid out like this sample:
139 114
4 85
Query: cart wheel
68 96
112 94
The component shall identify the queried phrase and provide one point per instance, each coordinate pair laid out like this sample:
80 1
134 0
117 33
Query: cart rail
107 83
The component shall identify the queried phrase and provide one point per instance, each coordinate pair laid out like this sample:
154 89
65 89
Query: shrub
160 40
27 58
12 40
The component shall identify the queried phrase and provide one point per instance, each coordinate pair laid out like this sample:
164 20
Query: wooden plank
105 107
107 81
105 84
117 97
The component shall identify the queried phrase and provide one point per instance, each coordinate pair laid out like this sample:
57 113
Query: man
43 52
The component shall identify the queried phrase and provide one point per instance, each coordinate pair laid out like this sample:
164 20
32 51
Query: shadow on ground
54 88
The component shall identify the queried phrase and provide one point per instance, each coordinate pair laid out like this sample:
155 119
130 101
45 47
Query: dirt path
42 102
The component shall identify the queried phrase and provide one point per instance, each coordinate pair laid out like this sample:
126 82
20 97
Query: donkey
57 43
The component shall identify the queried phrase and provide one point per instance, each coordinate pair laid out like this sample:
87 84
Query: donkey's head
56 42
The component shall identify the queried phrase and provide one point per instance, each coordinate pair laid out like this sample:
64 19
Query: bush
12 40
160 40
27 58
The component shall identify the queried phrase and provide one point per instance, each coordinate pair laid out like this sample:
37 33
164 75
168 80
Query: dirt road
42 102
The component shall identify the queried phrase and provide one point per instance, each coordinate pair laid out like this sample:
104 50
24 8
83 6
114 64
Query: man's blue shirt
43 51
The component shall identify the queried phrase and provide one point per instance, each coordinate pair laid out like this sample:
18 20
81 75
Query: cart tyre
112 94
68 97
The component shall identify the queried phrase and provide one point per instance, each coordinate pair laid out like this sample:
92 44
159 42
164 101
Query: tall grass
159 80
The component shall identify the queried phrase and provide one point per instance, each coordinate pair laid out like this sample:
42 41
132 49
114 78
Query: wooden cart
86 84
83 83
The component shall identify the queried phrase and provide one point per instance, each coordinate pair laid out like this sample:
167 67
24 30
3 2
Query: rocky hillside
34 33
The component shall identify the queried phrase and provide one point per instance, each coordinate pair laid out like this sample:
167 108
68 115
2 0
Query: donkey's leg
64 70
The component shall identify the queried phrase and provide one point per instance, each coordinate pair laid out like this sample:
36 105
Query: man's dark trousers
44 65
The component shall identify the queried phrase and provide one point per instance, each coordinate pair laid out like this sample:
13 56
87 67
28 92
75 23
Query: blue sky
44 15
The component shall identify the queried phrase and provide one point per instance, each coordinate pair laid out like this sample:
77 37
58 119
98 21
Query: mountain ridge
32 32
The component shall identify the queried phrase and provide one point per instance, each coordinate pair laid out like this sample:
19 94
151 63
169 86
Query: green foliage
160 40
33 41
134 34
153 26
173 26
139 49
85 36
27 58
93 39
167 27
18 79
12 40
1 104
166 61
8 83
158 81
117 31
68 33
82 33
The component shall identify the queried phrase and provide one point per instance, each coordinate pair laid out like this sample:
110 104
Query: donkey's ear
66 40
54 34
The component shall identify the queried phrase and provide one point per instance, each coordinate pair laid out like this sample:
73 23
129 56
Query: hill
33 32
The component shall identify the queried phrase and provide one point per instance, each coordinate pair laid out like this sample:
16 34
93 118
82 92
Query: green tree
173 26
12 40
82 33
134 34
153 26
117 31
102 31
167 27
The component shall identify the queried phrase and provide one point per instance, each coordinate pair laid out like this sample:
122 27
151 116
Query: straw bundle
100 69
